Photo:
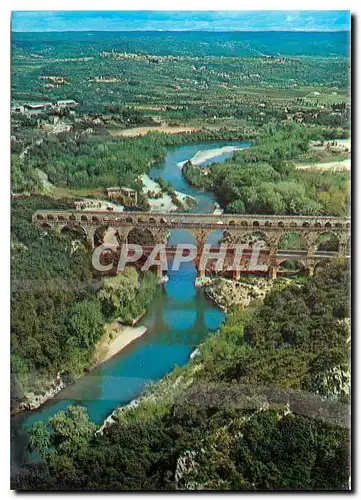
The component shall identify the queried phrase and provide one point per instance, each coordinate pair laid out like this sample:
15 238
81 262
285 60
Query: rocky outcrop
227 293
334 383
186 465
33 400
111 419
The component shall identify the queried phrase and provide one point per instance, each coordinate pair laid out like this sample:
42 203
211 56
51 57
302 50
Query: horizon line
286 30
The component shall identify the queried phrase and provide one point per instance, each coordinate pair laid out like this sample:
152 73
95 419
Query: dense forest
100 161
58 310
263 179
201 438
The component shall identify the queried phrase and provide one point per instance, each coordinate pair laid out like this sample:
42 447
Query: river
179 318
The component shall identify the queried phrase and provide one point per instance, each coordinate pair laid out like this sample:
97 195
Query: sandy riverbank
164 203
208 154
116 339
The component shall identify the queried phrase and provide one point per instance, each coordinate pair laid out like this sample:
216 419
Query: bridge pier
342 245
159 271
310 262
201 273
90 236
311 240
237 275
272 272
272 268
121 237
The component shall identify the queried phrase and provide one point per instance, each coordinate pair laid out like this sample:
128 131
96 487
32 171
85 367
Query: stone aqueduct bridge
234 227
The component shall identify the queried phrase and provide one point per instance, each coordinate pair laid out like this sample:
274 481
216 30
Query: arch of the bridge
328 239
142 236
217 236
73 228
292 240
321 263
285 265
106 234
271 239
168 219
184 236
255 237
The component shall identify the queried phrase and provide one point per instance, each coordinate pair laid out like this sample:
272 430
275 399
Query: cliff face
33 400
227 293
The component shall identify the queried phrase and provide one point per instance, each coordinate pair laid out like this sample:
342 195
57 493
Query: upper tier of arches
183 220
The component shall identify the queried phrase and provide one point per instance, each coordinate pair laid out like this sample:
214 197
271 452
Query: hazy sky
180 20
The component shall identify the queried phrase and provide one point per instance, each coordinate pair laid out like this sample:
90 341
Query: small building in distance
85 204
127 196
37 106
20 195
68 103
40 107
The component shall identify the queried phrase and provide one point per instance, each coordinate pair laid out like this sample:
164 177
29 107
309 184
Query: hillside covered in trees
264 179
58 310
263 406
98 161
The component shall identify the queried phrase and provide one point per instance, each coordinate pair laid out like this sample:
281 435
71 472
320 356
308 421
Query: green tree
85 323
65 435
236 206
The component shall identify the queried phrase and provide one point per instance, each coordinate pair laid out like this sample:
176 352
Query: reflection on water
179 319
176 323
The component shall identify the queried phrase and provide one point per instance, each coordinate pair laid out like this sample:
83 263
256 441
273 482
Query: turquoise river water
178 319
